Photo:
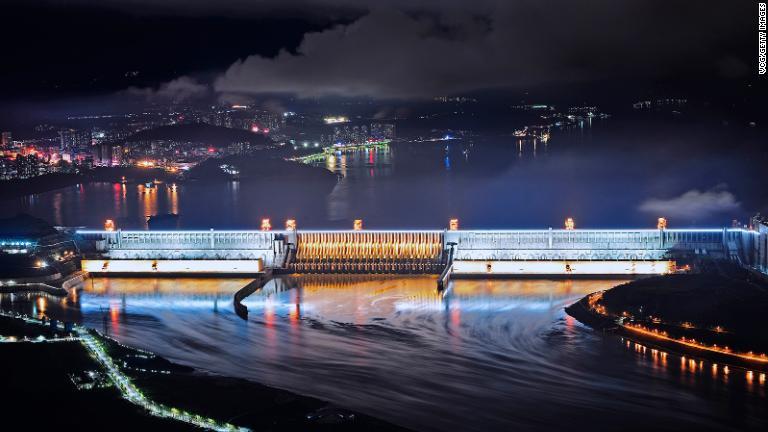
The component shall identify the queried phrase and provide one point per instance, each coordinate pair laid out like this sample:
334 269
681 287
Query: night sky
230 49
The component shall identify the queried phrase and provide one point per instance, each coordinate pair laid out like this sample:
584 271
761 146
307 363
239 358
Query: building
7 168
6 140
27 166
382 131
74 140
759 223
117 155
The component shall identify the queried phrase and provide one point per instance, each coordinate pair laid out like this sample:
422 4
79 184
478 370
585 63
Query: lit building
6 140
759 224
117 155
335 119
382 131
74 140
27 166
7 169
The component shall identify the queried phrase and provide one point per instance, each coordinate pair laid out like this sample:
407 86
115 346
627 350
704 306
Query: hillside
261 167
215 136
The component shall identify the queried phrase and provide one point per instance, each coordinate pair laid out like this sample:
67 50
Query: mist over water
489 355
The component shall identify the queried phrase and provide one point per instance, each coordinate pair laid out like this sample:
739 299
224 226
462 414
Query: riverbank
716 312
92 401
41 391
261 167
10 189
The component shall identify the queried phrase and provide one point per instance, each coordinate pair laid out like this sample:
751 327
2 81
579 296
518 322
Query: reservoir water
622 174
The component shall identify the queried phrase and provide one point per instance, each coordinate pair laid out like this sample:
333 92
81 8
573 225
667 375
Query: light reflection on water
488 355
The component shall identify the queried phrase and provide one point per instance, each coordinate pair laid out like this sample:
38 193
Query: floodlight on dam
662 223
570 224
290 225
109 225
357 225
453 225
266 225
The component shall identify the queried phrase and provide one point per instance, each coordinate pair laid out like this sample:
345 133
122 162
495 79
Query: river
488 355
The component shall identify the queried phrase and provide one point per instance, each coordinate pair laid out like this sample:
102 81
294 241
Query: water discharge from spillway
483 355
368 252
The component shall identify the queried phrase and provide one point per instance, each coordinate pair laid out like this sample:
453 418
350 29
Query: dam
448 252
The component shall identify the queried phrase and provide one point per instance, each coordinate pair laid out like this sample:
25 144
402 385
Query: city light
335 119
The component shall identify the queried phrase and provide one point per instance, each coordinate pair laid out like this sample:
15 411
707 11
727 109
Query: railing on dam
592 244
189 245
190 240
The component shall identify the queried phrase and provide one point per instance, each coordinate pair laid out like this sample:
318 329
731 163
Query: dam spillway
368 252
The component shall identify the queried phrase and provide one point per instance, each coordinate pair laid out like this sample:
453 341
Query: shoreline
20 188
582 312
164 392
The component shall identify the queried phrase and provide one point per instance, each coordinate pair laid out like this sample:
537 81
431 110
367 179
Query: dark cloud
67 49
398 53
393 49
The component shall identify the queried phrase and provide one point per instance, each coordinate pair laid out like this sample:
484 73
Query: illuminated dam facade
445 252
368 252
